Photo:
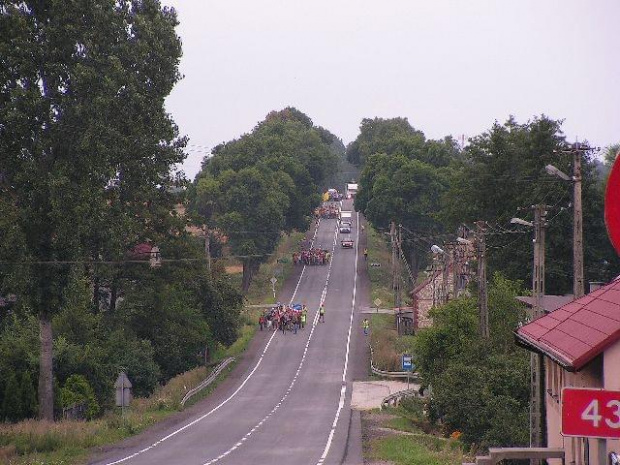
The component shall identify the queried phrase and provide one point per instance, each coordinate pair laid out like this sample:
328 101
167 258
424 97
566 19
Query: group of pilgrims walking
287 318
312 256
327 211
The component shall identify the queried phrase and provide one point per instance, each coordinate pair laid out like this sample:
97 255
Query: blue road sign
407 363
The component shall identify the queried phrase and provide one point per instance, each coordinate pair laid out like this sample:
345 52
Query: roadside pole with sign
273 280
377 304
407 363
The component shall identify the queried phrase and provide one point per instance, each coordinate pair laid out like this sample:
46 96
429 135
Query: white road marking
343 389
174 433
303 358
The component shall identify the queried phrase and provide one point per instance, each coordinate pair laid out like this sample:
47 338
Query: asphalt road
291 404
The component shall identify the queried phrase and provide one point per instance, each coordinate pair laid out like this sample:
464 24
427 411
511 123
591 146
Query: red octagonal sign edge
612 205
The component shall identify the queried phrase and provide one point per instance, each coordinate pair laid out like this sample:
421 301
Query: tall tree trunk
46 384
248 270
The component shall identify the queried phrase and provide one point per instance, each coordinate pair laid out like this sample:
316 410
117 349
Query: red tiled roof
577 332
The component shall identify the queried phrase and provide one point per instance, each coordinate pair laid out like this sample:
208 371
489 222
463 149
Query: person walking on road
322 313
366 326
365 254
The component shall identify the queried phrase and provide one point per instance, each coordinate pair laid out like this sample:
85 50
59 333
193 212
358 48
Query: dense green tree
251 207
221 307
266 182
501 174
403 178
29 396
125 351
80 181
76 390
480 387
390 136
405 191
12 409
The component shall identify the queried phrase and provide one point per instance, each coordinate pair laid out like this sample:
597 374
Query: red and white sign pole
591 413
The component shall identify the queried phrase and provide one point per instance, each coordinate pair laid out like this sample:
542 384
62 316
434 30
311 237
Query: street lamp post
576 151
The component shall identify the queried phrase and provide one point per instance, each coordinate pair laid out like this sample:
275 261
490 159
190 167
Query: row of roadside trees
265 183
431 187
86 175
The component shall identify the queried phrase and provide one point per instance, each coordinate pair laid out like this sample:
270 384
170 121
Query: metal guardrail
214 374
394 399
392 374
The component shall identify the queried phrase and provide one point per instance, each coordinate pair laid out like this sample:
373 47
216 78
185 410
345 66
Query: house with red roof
580 343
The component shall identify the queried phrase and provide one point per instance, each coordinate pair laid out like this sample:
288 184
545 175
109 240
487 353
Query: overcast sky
450 67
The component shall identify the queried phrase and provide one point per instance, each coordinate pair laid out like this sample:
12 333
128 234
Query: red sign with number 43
590 413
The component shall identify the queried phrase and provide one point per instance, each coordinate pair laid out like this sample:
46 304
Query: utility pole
537 398
576 150
455 269
394 261
399 242
578 287
483 303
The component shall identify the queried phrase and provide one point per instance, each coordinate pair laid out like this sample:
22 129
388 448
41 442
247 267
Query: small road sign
407 363
378 302
590 413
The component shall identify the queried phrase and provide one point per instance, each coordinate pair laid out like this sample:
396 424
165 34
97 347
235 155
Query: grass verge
379 268
387 345
403 436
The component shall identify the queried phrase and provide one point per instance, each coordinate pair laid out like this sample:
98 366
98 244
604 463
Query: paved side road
368 395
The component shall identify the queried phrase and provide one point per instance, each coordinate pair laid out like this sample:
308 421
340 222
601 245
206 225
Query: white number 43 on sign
592 413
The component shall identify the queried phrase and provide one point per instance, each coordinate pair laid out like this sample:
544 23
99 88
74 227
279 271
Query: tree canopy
403 179
433 187
265 183
87 144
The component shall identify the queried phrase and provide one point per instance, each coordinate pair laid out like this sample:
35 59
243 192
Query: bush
480 387
77 391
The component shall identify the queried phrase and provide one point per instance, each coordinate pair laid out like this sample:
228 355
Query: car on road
347 243
345 228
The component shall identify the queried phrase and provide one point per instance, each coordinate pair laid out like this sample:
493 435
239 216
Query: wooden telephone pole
483 300
395 264
578 287
537 399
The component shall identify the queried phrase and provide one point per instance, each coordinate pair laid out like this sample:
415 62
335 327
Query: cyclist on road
322 313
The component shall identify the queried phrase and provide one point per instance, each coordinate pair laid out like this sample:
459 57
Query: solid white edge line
183 428
343 389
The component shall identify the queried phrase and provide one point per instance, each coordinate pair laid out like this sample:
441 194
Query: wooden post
483 303
578 286
537 393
